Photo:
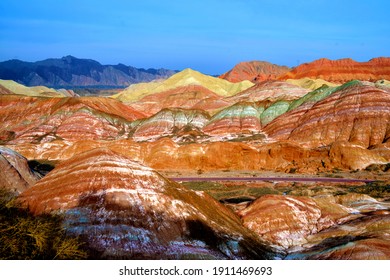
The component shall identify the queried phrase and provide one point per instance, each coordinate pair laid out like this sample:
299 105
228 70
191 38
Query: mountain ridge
70 71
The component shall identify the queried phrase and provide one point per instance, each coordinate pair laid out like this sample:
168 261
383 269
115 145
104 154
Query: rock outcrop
15 174
342 70
123 209
254 71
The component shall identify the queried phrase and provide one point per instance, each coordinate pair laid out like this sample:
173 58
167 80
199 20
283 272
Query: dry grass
24 236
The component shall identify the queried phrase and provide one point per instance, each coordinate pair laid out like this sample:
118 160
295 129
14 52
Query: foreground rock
15 174
350 226
287 221
123 209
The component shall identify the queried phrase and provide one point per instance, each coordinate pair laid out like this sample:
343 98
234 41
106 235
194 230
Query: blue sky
209 36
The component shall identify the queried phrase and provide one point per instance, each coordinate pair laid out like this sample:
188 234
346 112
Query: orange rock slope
123 209
342 70
254 71
34 120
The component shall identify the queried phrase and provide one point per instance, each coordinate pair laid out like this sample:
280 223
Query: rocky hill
254 71
342 70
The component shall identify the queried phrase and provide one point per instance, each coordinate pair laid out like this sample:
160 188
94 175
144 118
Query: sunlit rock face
15 174
123 209
342 70
170 122
254 71
35 120
355 112
287 221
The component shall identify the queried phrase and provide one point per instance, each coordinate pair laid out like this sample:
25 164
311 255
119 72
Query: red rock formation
185 97
29 119
356 113
254 71
342 70
126 210
15 174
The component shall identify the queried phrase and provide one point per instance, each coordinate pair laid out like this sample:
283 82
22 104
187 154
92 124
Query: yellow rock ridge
184 78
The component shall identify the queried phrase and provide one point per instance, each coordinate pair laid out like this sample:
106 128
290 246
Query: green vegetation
375 189
26 237
222 192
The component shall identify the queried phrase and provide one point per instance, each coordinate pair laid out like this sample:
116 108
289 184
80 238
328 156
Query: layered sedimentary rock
182 79
123 209
166 154
34 120
363 238
354 112
287 221
185 97
15 174
342 70
170 122
241 118
254 71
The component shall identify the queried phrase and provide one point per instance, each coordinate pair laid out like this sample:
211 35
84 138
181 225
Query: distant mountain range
70 71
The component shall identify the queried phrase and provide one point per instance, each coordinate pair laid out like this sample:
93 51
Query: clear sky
209 36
